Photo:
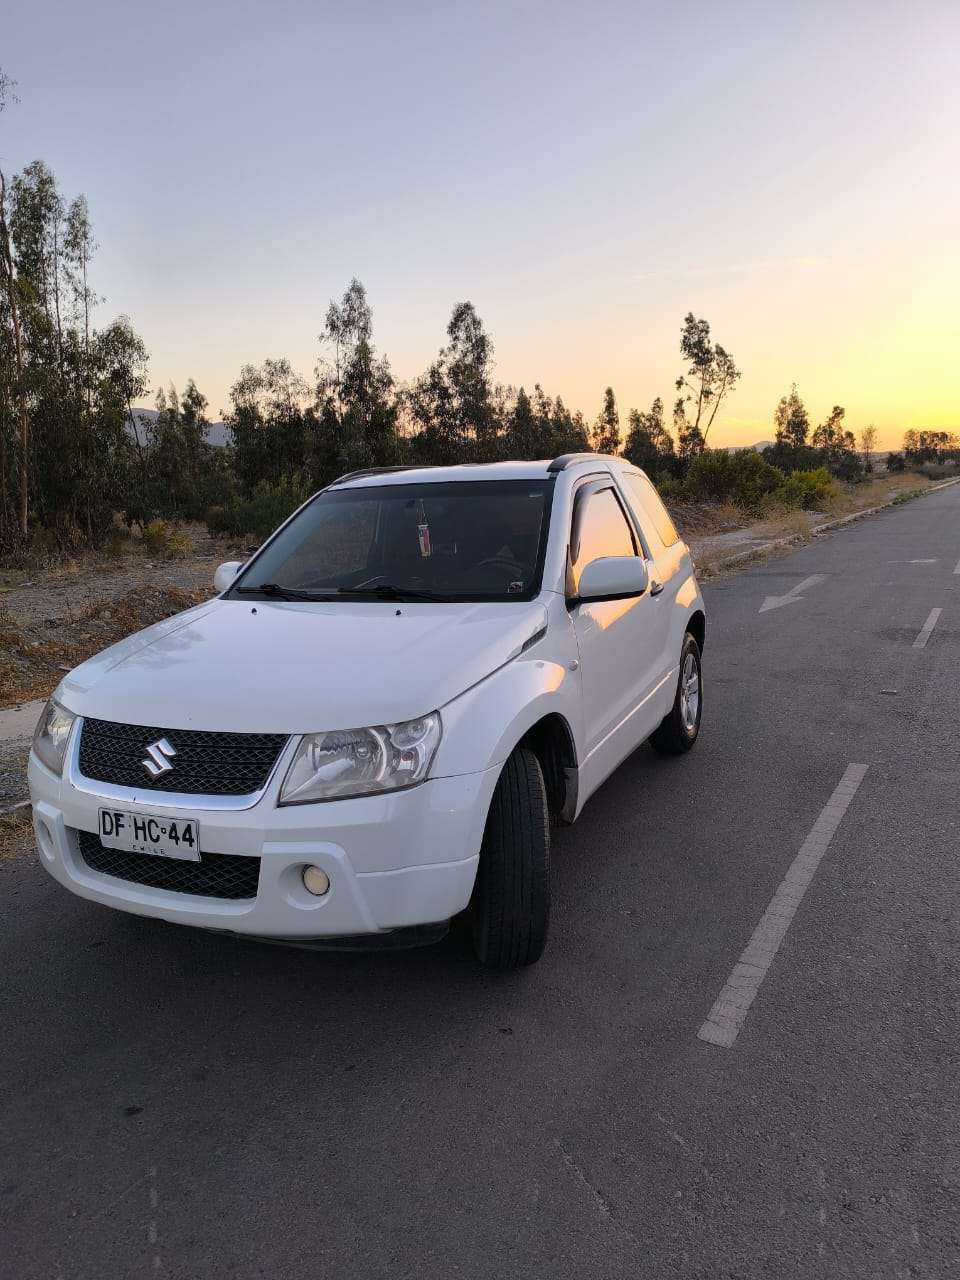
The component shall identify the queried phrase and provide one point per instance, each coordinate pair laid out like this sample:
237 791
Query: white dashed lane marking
733 1003
932 619
957 569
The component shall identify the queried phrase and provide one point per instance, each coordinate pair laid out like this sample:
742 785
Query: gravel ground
53 618
50 598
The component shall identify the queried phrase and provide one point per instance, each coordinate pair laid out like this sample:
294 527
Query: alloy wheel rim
689 693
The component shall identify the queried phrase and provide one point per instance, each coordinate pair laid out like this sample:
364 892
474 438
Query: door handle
656 588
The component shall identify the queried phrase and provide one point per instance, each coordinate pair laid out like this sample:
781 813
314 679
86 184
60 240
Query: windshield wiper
387 591
277 592
383 591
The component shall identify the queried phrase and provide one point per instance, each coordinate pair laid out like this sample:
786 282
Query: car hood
279 667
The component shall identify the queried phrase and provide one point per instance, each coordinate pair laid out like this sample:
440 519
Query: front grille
216 875
210 764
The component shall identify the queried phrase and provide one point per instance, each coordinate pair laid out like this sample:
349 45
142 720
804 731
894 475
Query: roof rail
568 459
375 471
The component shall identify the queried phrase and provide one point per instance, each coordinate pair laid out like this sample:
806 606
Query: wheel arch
552 742
697 626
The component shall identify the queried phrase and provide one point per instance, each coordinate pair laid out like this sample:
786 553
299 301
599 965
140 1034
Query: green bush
805 490
669 487
259 515
117 541
742 478
162 539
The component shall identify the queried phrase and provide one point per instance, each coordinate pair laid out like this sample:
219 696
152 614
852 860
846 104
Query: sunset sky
584 174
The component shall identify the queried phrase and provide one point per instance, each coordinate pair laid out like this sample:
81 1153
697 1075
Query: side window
646 501
603 531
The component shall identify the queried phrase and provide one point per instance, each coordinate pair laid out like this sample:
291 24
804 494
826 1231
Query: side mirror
613 578
226 574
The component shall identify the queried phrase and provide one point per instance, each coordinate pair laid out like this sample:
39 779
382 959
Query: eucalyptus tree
523 435
708 379
268 423
791 420
13 387
606 429
453 404
356 402
649 444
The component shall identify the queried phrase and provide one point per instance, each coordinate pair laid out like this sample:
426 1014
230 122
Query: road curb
797 539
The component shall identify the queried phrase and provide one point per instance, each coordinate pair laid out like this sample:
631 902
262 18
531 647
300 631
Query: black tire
674 735
510 908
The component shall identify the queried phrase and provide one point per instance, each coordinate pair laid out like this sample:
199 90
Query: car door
618 639
665 556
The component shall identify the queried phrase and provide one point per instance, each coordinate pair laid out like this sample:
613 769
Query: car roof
544 469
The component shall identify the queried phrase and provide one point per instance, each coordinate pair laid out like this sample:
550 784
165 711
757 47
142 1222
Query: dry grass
704 518
787 524
877 492
33 661
710 560
16 831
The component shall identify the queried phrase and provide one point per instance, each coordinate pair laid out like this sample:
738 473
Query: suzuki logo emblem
158 758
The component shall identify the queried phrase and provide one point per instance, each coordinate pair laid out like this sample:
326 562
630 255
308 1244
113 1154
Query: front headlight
361 762
51 734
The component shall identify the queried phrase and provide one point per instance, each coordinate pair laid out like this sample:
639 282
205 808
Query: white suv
371 727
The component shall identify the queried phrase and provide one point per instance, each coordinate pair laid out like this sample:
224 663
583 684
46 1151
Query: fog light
316 881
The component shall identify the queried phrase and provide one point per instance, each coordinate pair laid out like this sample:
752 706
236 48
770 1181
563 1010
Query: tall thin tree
10 288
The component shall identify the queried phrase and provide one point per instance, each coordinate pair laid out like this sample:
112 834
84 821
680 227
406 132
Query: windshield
474 540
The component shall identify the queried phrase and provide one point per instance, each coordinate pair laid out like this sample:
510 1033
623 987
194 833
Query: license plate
145 833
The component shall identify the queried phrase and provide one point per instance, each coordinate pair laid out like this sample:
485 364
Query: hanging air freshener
423 531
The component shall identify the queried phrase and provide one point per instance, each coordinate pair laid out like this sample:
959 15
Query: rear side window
603 531
646 501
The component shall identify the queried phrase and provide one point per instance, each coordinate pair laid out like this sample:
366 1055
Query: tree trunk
4 407
7 262
56 305
86 331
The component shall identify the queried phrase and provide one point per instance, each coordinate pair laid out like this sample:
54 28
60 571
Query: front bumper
398 860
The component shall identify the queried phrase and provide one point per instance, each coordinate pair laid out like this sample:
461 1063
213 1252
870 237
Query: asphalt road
178 1104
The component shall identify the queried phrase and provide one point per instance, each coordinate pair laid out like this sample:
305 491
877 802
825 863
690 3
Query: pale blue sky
585 174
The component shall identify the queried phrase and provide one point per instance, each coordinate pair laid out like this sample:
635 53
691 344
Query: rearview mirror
613 578
226 574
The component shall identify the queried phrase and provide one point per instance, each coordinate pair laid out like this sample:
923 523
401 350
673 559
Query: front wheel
678 730
510 908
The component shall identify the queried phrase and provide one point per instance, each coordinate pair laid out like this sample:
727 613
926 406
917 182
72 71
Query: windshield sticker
515 588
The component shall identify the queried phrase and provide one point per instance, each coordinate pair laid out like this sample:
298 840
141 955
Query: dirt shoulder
54 618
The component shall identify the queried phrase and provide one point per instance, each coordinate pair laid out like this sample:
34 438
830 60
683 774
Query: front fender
483 725
689 601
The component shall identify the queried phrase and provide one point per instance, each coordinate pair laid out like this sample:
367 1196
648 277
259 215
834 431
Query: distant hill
217 432
740 448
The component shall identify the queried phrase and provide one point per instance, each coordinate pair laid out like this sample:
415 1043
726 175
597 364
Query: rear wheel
678 730
510 908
